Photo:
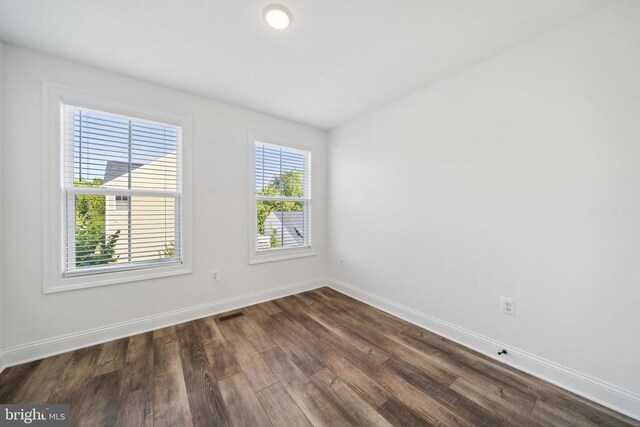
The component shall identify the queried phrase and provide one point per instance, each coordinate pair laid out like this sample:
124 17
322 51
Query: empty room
319 213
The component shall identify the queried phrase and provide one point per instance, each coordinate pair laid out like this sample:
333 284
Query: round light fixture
277 16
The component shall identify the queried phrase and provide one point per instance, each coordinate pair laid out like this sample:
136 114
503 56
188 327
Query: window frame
279 254
54 193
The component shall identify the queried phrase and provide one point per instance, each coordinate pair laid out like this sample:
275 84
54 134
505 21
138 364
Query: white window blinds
283 197
122 187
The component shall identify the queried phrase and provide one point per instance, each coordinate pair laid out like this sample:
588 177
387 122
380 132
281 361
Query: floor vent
230 316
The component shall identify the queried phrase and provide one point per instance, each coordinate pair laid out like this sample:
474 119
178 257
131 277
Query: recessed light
277 16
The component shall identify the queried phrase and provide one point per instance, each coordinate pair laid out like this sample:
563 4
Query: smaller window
282 208
122 203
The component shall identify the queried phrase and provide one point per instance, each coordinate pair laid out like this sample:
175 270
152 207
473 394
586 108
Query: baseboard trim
16 355
598 391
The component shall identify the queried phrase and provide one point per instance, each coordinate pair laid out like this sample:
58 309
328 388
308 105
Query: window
122 189
282 202
122 203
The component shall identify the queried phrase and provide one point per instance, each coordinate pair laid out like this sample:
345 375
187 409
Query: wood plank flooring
316 358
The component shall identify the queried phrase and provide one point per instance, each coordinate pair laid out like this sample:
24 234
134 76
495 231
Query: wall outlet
508 306
341 262
215 275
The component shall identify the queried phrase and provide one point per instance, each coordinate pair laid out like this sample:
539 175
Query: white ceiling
339 59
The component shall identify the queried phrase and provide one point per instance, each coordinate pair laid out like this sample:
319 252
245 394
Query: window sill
282 255
63 284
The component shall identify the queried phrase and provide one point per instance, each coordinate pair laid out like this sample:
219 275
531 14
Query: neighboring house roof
291 223
115 169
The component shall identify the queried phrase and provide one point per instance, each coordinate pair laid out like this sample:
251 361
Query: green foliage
169 251
288 184
93 245
274 238
88 204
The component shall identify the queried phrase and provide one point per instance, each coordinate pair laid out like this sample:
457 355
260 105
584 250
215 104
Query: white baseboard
601 392
15 355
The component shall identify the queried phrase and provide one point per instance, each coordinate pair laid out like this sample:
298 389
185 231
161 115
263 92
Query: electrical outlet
215 275
508 306
341 262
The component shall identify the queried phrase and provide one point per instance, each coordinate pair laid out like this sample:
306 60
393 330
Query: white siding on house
153 219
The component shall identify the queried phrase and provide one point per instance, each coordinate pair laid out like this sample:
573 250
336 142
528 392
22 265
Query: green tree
287 184
93 245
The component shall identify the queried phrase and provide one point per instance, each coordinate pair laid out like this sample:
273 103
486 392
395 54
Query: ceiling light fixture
277 16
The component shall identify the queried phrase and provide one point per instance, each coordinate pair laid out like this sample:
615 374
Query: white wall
519 177
2 310
220 169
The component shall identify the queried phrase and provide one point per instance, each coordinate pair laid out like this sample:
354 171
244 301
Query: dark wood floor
317 358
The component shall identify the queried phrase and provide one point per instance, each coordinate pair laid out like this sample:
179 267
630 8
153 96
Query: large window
282 188
122 190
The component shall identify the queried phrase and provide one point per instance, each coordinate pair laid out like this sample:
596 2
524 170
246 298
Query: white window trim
279 254
54 95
